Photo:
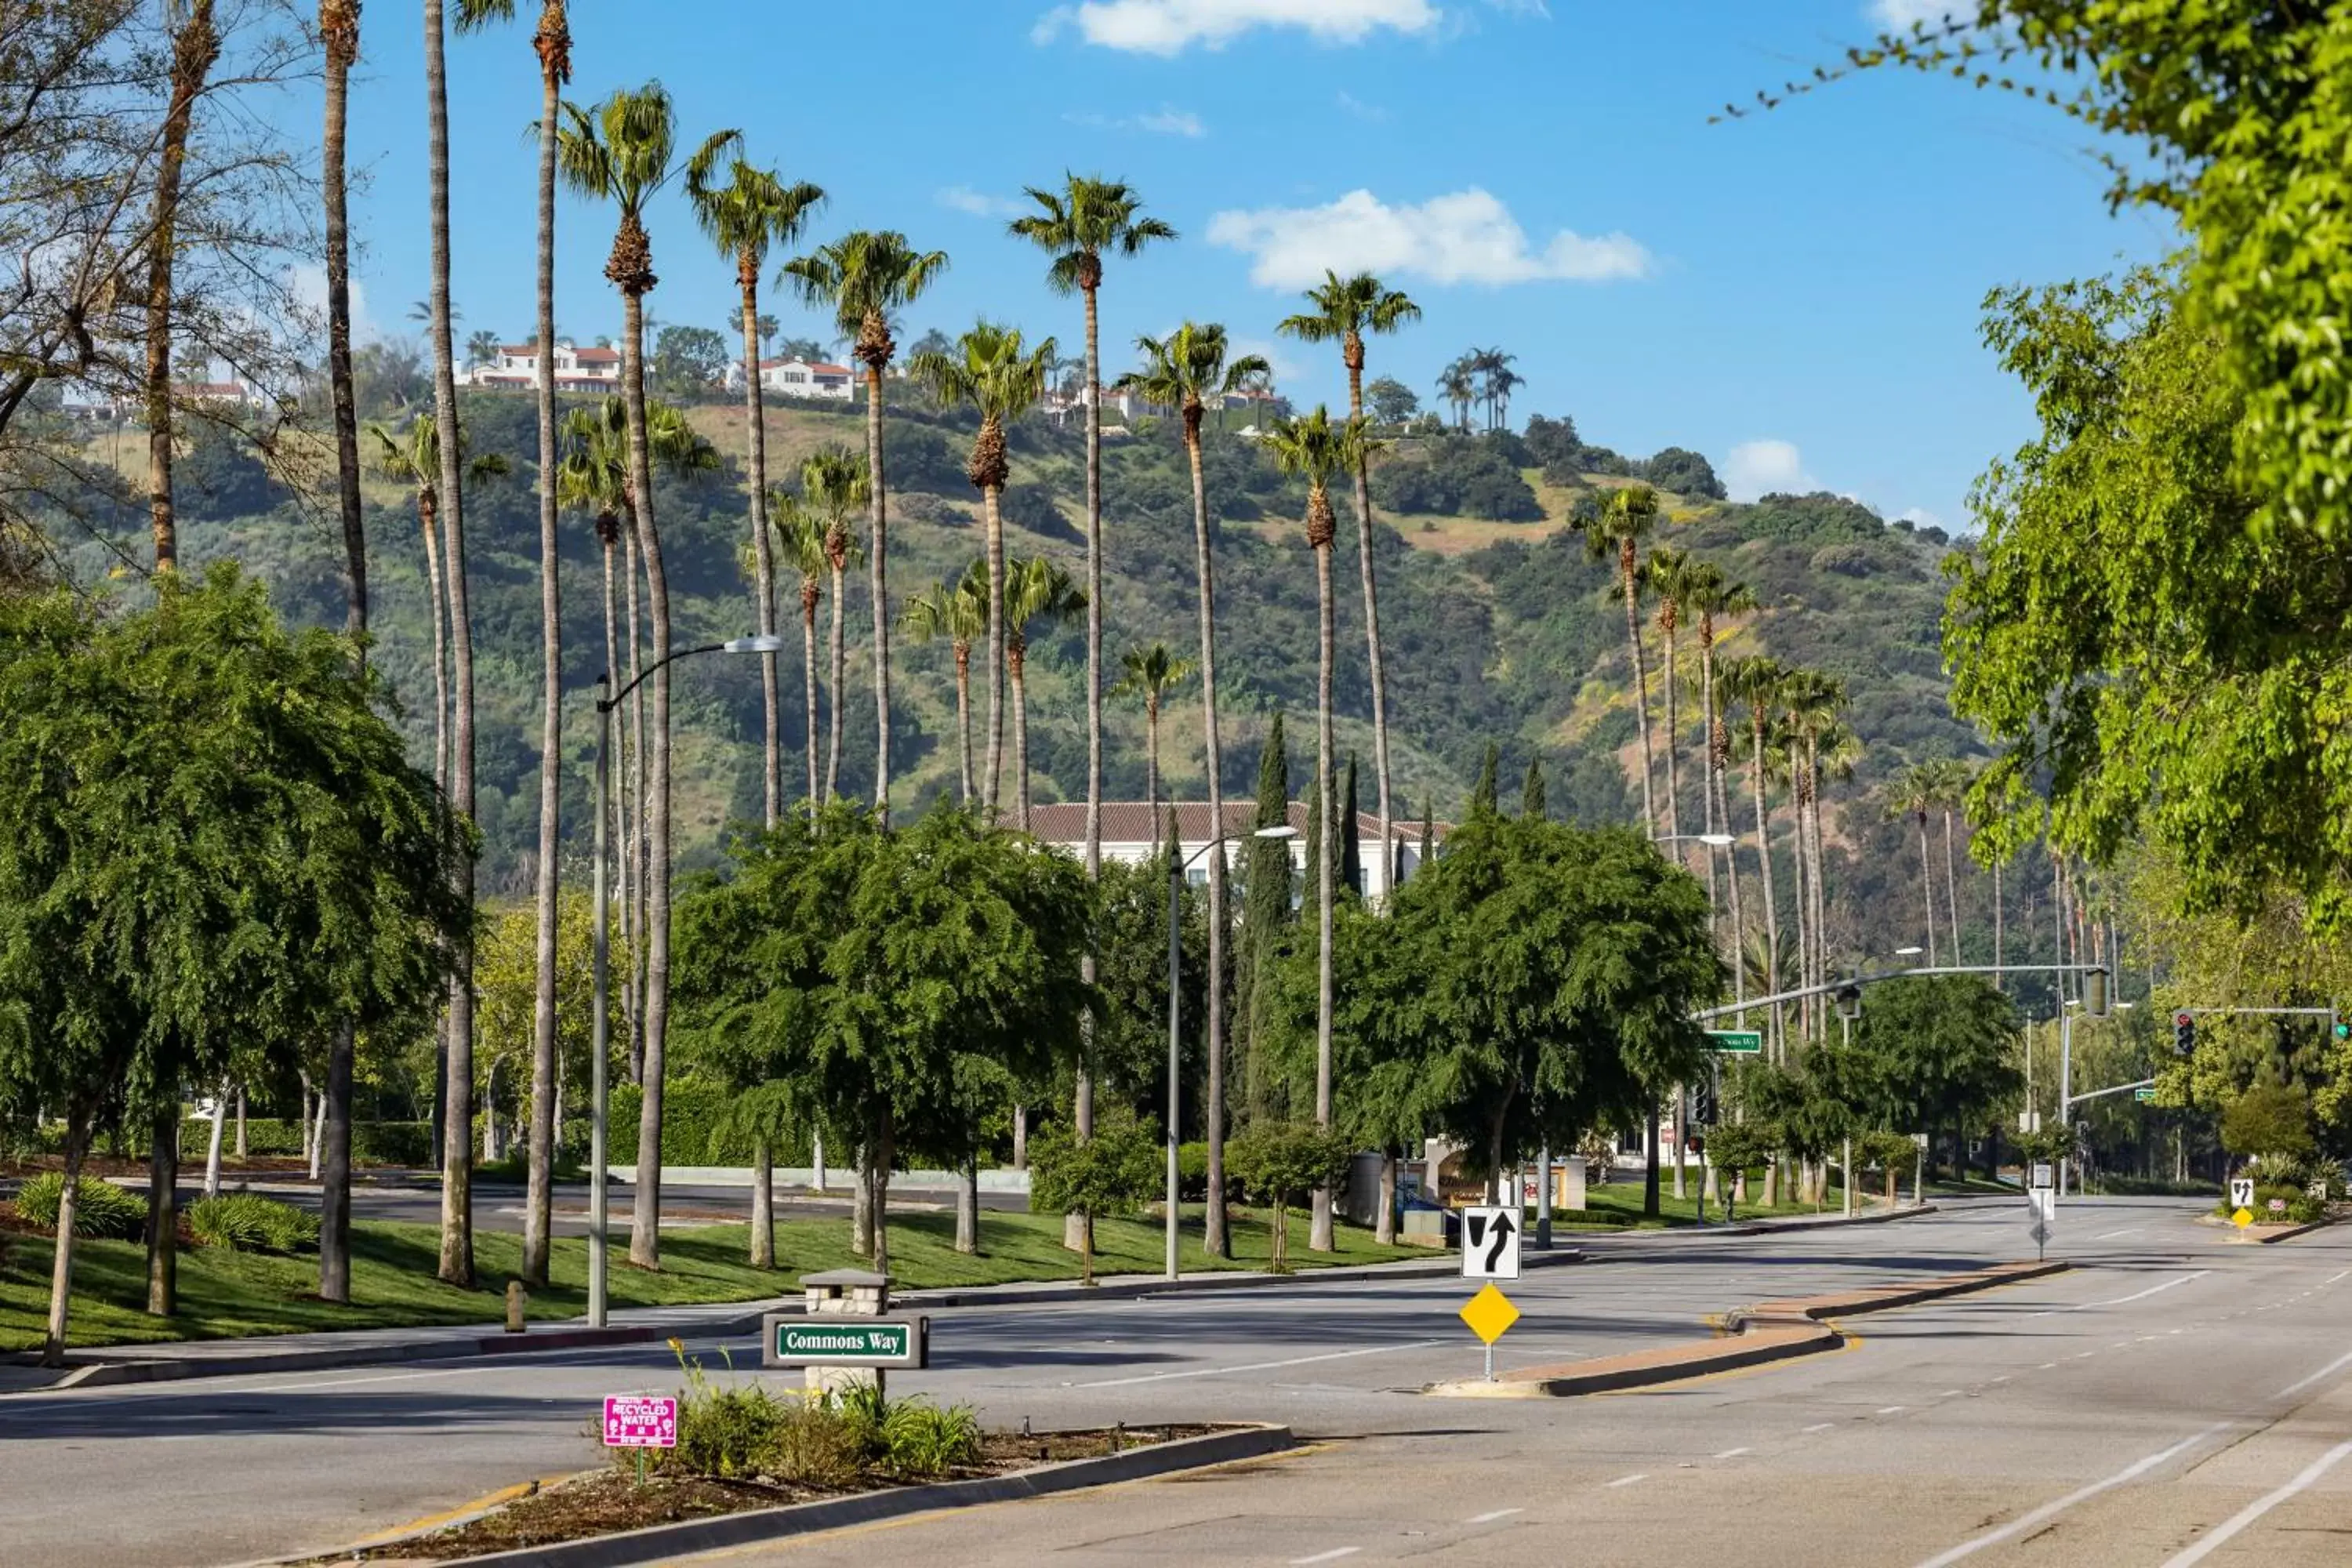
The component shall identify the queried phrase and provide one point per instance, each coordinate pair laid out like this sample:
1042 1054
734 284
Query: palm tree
990 369
1036 589
1344 311
754 209
864 277
833 483
1318 450
552 43
622 150
800 529
1183 371
1626 517
1950 778
1756 681
1670 577
1913 794
1813 702
1150 673
957 612
1457 385
1711 595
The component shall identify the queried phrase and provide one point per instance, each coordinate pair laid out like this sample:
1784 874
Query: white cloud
1168 122
306 282
1766 467
1370 113
1902 16
964 199
1467 236
1171 26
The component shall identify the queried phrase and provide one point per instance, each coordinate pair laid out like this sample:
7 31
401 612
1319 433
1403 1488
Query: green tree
2271 1123
1267 914
1036 589
752 211
1351 839
1393 403
1278 1161
1943 1048
1736 1147
1344 311
1149 674
1184 371
1112 1171
1000 378
863 278
1626 519
1532 793
1672 576
1755 681
1320 451
622 150
834 482
688 363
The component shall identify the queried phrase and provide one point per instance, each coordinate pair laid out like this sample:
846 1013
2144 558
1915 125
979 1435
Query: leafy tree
1112 1171
1393 403
1458 476
1735 1148
1278 1161
2271 1123
1532 793
688 363
1943 1045
1684 472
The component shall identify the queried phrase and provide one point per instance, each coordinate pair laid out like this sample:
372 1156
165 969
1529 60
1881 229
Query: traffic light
1703 1100
2095 993
2184 1034
1848 1002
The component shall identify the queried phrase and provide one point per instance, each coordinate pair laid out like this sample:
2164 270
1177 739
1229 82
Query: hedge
372 1142
691 1111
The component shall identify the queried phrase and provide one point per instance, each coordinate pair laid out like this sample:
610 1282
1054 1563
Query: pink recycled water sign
640 1422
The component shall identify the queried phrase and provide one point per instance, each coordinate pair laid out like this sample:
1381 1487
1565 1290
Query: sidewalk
113 1365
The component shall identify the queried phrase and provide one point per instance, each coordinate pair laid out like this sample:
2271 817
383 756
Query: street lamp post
1176 868
599 1027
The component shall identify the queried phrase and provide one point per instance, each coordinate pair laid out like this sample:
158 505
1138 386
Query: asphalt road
2125 1413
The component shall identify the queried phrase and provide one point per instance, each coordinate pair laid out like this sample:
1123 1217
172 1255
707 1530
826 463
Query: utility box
1568 1185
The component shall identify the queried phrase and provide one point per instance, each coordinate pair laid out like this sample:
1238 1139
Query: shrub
248 1222
1113 1172
722 1432
695 1128
1275 1160
919 1439
102 1209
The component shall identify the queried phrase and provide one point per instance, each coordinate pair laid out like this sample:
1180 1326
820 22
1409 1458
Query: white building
1131 836
799 378
516 368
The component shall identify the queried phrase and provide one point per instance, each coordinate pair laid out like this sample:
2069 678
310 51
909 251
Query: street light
1713 840
1176 869
1912 952
599 1027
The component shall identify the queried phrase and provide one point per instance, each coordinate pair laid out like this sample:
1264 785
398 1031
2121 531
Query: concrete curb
661 1542
2293 1231
1755 1336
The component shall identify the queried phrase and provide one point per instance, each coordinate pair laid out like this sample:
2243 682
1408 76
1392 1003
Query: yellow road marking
482 1504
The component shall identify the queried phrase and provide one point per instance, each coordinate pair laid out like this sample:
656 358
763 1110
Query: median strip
1751 1336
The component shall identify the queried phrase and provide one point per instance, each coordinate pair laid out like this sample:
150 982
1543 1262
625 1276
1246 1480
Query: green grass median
232 1295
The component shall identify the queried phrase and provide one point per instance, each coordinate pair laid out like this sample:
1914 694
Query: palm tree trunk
608 534
763 561
1372 630
539 1200
876 555
808 667
1319 1237
194 48
1821 895
1927 887
1151 753
1804 906
963 712
457 1156
1641 680
1952 885
1083 1095
633 879
1771 911
1016 660
1215 1240
838 654
992 521
1673 748
645 1230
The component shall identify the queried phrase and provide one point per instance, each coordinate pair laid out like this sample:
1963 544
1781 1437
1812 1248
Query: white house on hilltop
516 368
1130 836
799 378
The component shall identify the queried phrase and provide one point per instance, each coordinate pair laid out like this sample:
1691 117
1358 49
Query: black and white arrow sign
1490 1244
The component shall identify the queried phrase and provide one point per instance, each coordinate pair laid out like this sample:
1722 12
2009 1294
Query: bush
372 1142
102 1209
248 1222
695 1128
920 1439
722 1432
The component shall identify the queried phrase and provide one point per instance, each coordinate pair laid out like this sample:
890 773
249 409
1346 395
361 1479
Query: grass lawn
228 1295
1618 1205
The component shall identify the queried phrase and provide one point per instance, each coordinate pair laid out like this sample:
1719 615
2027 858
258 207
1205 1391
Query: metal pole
2065 1089
1175 950
1543 1198
600 1027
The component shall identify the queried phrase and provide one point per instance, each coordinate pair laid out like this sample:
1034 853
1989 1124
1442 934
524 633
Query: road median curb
1751 1336
662 1543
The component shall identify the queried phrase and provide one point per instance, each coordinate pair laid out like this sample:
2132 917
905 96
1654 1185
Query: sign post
2241 1201
1737 1042
2042 1195
640 1422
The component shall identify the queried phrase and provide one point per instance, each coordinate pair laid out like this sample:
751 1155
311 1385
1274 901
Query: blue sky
1796 294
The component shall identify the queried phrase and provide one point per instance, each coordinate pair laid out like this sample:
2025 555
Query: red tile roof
597 356
1132 822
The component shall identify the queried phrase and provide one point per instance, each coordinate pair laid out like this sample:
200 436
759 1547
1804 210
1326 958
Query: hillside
1496 627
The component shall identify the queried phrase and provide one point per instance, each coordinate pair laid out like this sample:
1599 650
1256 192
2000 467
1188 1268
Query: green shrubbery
248 1222
102 1209
743 1432
696 1128
372 1142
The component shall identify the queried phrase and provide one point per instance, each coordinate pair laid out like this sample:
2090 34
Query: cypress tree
1482 795
1313 855
1352 844
1265 912
1428 828
1531 793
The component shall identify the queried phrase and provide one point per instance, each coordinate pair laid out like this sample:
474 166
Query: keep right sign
1490 1244
2242 1192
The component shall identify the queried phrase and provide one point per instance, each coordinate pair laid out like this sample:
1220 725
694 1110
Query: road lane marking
2260 1506
2120 1301
1733 1453
1335 1552
1890 1410
1949 1393
2127 1230
1491 1518
2049 1510
1255 1366
1820 1426
2339 1274
1629 1480
2299 1384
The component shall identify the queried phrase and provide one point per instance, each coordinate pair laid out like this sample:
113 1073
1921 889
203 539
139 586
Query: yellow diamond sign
1489 1315
2243 1218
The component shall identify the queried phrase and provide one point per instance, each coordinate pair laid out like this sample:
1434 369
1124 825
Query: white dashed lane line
1629 1480
1491 1518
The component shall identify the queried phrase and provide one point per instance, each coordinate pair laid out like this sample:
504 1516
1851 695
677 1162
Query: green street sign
846 1341
2144 1096
1737 1042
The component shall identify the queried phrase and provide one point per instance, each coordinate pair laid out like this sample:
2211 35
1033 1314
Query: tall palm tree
1151 673
622 150
753 210
1626 519
1183 371
1913 794
552 43
1458 387
1345 309
957 611
864 277
1670 578
1036 589
801 531
1320 451
1755 682
1813 702
833 483
993 372
1952 778
1712 595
